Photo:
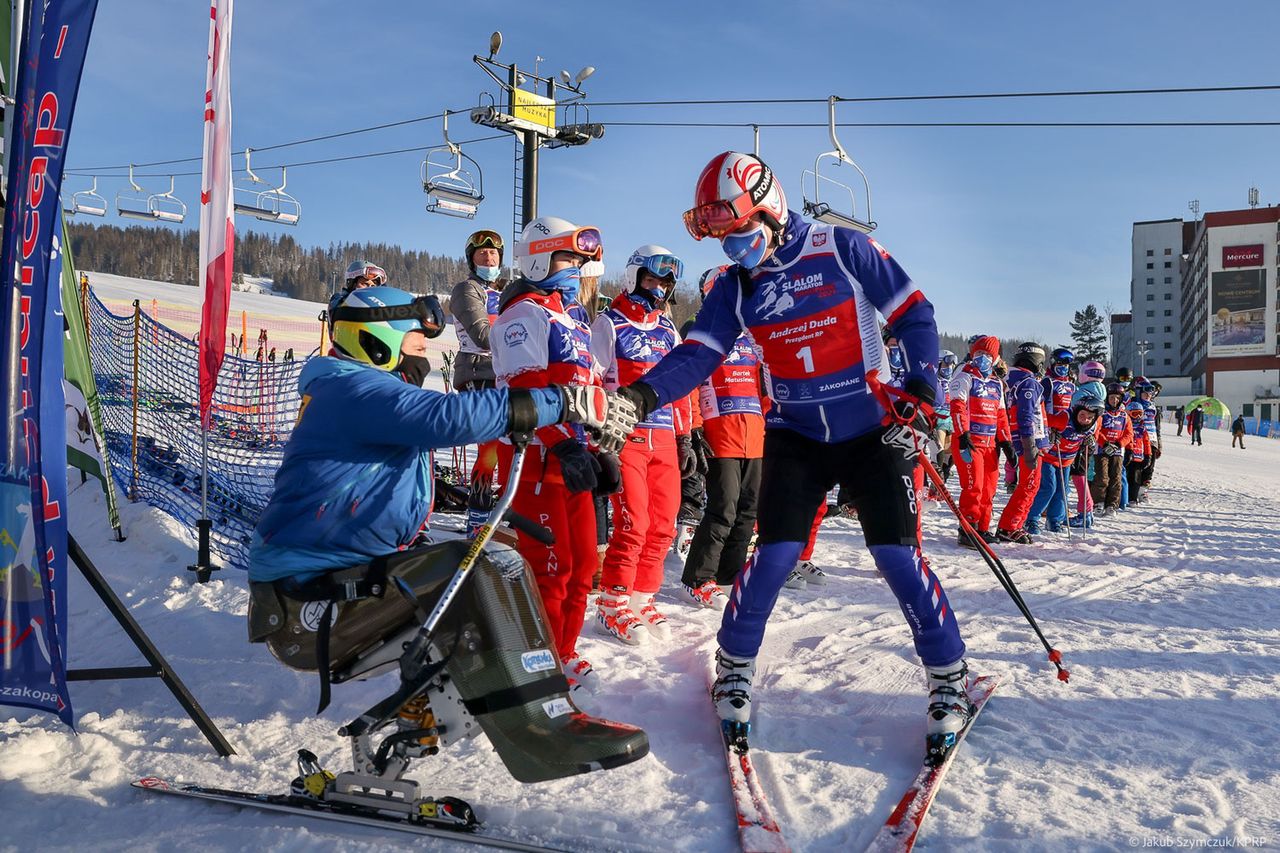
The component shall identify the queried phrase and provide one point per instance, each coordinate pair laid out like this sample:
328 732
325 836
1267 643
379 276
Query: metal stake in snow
884 394
217 248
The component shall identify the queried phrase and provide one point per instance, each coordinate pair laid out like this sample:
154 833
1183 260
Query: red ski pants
1015 511
644 512
563 570
978 481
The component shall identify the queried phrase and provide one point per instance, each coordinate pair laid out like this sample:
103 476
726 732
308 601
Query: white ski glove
610 417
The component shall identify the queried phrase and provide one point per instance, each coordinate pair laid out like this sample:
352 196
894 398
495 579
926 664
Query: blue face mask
747 248
489 274
1061 370
566 281
984 363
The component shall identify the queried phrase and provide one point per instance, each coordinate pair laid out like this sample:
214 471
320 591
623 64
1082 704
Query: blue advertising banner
33 529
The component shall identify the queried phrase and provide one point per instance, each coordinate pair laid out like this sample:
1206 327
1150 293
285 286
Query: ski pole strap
514 697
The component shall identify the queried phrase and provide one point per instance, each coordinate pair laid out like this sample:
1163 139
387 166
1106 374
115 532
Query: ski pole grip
529 527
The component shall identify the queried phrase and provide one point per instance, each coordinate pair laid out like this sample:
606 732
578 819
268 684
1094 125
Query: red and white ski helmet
731 189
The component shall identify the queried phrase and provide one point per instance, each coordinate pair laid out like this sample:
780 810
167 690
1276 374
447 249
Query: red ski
900 830
757 829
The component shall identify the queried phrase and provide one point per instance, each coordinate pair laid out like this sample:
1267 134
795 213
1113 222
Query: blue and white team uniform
811 310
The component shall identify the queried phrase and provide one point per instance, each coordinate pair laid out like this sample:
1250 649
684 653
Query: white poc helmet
548 234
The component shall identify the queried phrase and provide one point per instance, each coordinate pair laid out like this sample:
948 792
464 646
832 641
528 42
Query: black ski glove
913 419
609 480
1029 450
964 444
1006 447
578 467
644 398
703 449
685 453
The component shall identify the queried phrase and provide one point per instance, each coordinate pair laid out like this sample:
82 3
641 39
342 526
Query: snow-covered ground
1168 616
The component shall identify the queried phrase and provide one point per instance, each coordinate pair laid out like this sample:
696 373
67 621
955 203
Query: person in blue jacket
356 480
809 295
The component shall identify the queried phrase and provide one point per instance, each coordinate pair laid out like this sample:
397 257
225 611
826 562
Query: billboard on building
1238 313
1242 256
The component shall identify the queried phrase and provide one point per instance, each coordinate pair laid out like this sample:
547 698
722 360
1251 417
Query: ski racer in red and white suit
627 340
534 342
980 423
809 295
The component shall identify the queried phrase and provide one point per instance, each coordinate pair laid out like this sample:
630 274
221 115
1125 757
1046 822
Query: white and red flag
217 228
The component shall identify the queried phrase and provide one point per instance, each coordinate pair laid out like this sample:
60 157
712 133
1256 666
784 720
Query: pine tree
1088 334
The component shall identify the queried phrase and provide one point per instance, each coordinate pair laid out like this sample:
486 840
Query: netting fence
147 376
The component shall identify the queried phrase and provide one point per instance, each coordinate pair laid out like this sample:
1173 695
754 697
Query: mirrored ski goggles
718 218
661 266
425 309
582 241
372 273
485 240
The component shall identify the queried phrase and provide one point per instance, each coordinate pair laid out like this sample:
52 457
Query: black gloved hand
579 468
1006 447
1029 450
912 419
686 455
703 449
609 480
644 398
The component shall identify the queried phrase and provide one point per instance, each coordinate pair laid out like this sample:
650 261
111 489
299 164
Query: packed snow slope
1168 616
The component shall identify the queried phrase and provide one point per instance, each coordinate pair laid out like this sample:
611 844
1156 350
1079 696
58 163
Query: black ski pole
997 568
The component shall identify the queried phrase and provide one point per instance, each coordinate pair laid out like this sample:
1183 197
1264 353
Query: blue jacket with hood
357 480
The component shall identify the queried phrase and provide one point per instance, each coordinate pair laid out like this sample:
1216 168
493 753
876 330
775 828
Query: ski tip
151 782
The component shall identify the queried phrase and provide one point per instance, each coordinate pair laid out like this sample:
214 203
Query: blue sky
1006 230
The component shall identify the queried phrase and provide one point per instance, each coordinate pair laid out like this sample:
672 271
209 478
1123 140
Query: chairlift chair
87 202
137 203
270 205
813 179
453 188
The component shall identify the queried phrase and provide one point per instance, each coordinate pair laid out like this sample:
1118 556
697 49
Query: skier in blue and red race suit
808 294
1144 392
1074 429
1058 389
628 340
1030 437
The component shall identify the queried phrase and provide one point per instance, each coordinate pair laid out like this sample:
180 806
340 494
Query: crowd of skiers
813 363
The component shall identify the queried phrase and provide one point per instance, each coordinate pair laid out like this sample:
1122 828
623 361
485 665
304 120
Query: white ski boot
811 573
949 709
580 673
650 616
731 693
708 594
795 580
615 618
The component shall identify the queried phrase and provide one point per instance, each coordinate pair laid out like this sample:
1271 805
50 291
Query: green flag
86 448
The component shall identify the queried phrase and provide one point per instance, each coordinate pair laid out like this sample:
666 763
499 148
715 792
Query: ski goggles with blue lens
661 266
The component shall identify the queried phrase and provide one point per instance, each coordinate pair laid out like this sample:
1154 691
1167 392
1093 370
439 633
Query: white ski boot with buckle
731 693
615 618
650 616
949 709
